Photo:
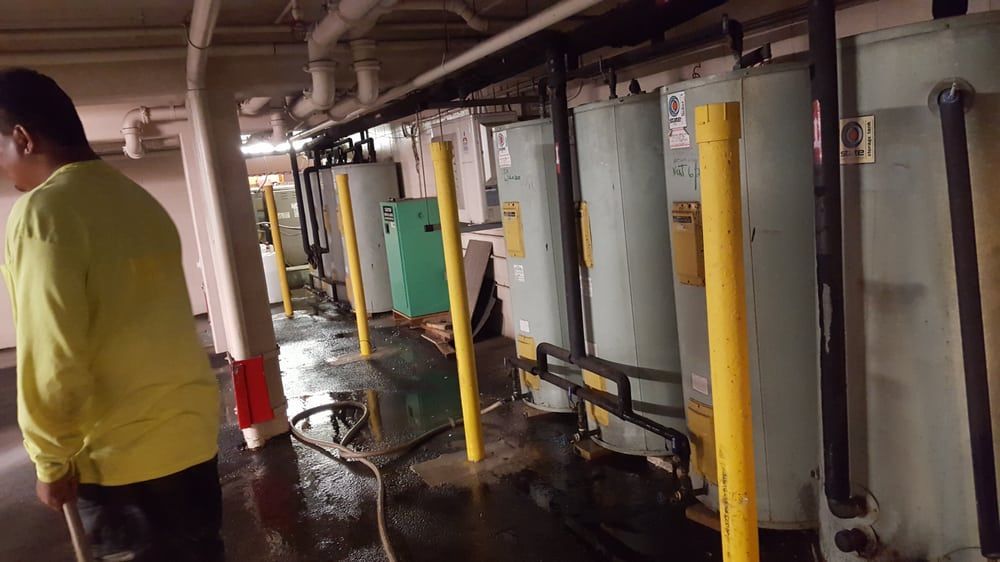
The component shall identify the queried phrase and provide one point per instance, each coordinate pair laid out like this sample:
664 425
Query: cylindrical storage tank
780 278
325 209
909 417
632 321
370 185
525 157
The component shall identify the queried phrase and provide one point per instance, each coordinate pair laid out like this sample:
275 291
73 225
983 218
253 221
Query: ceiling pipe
253 106
366 67
137 118
279 133
106 33
536 23
324 35
457 7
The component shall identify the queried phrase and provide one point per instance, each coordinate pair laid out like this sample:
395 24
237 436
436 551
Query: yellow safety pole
717 128
279 250
454 264
353 262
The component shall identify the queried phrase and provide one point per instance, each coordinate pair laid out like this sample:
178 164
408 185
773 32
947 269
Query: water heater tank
782 325
626 240
525 157
910 434
370 185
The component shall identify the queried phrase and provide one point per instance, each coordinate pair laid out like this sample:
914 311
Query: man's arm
52 318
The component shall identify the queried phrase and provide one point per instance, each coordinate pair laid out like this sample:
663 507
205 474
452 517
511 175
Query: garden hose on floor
343 452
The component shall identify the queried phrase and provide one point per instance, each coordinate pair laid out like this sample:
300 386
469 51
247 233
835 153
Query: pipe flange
367 64
968 93
320 66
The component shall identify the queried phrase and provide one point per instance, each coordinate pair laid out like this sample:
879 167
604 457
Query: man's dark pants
177 518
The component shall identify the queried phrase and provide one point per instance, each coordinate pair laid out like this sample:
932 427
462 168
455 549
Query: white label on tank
519 273
699 383
503 153
525 327
679 138
284 215
857 140
676 111
295 209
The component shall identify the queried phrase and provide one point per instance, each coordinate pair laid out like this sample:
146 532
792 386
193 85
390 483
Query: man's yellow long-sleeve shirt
112 379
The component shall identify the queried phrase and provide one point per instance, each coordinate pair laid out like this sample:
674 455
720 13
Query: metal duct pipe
556 85
970 315
830 261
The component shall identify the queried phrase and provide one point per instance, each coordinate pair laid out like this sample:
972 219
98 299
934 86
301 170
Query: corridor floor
288 502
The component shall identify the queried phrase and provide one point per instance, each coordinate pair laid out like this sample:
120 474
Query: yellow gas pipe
354 263
279 250
717 128
454 264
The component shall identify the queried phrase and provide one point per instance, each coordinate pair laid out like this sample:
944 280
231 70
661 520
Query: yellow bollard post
353 262
279 250
717 128
461 323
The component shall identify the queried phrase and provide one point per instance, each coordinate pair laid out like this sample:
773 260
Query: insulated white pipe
457 7
279 133
324 35
550 16
134 121
203 19
253 106
204 14
366 68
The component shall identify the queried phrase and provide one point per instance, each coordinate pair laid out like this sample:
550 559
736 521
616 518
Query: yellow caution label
513 231
592 380
701 432
586 242
526 350
689 247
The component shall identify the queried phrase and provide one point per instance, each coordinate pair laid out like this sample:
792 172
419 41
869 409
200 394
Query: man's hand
55 494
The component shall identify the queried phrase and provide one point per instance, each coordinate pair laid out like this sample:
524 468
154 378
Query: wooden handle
76 532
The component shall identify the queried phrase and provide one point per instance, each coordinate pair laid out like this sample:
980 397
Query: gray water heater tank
782 325
909 419
525 157
626 255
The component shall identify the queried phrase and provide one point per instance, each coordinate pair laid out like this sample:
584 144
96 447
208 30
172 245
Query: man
116 399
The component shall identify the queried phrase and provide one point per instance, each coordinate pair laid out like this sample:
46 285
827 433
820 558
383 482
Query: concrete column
228 241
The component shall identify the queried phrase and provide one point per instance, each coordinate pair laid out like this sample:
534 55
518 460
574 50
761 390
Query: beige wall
162 174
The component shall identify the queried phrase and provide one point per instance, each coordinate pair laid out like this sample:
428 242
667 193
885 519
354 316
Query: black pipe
830 262
483 102
970 314
556 85
371 150
313 222
302 208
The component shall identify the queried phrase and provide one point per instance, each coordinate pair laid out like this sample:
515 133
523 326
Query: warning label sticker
699 384
676 111
679 138
519 273
857 140
524 326
503 153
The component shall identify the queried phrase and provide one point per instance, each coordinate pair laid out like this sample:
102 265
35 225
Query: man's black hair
34 101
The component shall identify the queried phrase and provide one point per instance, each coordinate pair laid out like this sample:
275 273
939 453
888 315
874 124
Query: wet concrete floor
288 502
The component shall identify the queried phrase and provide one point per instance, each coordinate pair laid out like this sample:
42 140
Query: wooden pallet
415 322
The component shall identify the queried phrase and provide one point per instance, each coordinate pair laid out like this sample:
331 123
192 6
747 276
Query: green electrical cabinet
416 256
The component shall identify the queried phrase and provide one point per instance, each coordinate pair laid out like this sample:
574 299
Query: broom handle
80 543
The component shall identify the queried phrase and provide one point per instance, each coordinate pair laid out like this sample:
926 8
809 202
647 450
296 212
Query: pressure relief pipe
951 102
830 261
